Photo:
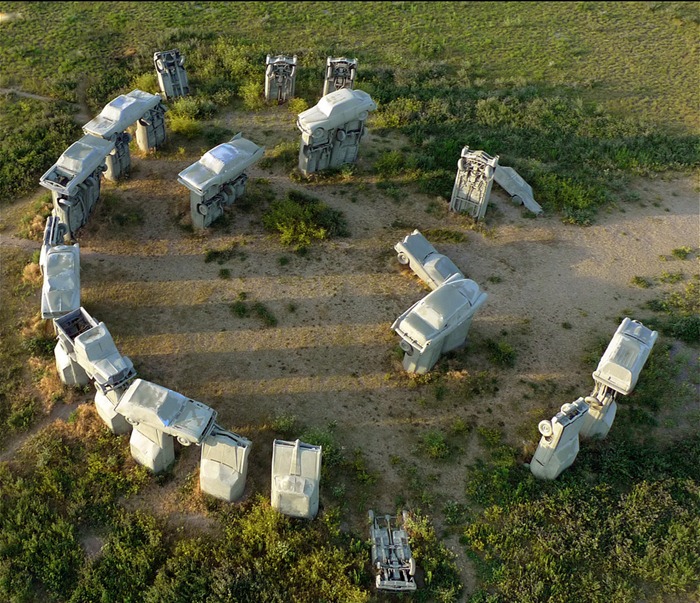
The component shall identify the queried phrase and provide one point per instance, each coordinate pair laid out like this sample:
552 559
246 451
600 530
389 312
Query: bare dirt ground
332 358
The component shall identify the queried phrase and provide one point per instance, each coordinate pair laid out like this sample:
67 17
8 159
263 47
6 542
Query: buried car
167 411
431 267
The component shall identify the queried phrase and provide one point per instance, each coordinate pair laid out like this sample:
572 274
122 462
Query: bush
434 444
390 163
501 353
441 576
681 253
192 107
300 219
252 95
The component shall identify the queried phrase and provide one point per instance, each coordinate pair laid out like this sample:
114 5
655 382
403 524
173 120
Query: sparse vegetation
642 282
221 256
681 313
681 253
264 314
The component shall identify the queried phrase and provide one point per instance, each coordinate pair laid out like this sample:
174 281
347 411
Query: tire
183 441
403 259
545 428
406 347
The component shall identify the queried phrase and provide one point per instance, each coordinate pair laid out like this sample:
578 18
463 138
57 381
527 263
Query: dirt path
81 117
58 412
17 243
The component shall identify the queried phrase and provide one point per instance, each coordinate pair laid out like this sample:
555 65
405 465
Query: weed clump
501 353
300 219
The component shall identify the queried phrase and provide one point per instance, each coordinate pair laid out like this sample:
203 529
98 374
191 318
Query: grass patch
444 235
33 222
284 154
221 256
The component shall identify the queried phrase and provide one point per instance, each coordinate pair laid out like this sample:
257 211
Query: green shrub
300 219
444 235
442 582
285 424
264 314
390 163
297 105
398 112
192 107
186 126
252 95
325 437
41 346
671 277
681 253
642 282
240 308
434 444
501 353
148 82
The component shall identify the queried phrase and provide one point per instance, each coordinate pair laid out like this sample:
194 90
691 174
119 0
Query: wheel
406 347
545 428
403 259
318 133
202 209
363 115
341 135
370 514
412 566
131 421
183 441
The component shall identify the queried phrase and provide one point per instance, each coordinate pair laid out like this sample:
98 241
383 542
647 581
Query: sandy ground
332 358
